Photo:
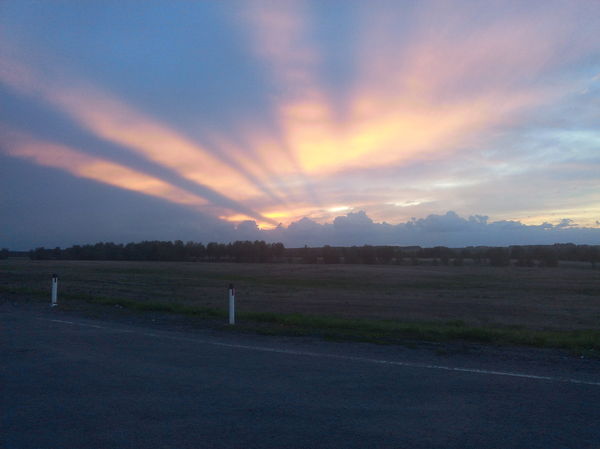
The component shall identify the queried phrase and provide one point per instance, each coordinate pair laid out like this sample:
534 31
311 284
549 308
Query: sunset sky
343 122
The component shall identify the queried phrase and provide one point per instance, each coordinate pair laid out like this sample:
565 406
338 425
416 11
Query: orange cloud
98 169
113 120
401 107
119 123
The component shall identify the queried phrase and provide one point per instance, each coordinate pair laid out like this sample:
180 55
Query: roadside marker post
231 304
54 290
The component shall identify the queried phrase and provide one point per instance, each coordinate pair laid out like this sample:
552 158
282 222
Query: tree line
261 252
239 251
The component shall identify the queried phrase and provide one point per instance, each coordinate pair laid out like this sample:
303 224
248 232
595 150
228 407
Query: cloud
450 222
66 210
113 120
566 223
435 89
98 169
352 221
449 229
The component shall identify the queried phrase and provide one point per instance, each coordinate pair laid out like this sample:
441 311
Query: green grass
376 331
393 331
143 306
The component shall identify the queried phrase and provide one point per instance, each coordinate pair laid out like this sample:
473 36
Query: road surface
70 382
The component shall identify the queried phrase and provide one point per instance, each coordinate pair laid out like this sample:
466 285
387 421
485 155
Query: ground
97 372
535 298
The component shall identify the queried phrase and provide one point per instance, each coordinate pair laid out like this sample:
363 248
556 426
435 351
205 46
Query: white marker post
54 290
231 304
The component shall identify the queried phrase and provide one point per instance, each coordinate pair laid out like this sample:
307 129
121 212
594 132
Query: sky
450 123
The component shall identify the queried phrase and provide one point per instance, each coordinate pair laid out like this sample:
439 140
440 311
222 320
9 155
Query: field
531 299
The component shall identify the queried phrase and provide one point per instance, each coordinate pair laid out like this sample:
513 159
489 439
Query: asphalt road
69 382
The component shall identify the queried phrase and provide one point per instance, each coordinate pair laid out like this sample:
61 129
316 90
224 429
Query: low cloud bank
450 229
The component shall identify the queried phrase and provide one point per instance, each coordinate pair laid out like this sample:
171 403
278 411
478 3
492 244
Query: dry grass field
534 298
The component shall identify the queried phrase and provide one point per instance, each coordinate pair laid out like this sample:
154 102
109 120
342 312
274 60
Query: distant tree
548 257
465 253
277 250
240 251
499 257
351 255
367 254
309 255
56 253
384 254
213 252
443 253
516 252
525 258
194 251
262 252
476 255
4 253
398 256
592 255
179 252
566 251
330 255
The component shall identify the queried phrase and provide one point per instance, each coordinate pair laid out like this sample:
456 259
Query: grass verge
375 331
380 331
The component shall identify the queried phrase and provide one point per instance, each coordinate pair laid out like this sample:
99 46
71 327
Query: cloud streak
112 120
98 169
